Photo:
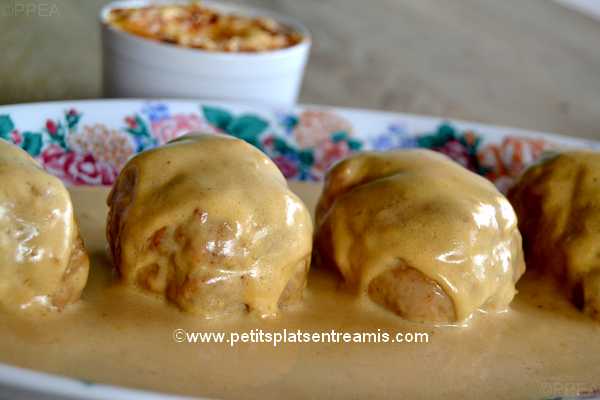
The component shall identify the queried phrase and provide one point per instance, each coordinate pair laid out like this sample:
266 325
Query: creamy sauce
119 336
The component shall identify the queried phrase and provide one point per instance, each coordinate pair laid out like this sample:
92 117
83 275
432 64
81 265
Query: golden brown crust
118 201
196 26
412 295
75 276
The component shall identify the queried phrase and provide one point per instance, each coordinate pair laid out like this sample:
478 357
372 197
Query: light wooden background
525 63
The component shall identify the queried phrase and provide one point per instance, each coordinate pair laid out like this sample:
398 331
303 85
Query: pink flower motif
16 137
106 145
77 168
178 125
315 127
458 152
268 142
328 153
51 127
288 168
72 112
131 122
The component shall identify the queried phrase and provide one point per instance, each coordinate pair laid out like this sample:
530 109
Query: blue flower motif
288 121
394 137
144 142
408 143
305 175
382 142
397 128
156 112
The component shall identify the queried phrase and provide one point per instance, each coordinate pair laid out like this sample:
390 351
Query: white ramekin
138 67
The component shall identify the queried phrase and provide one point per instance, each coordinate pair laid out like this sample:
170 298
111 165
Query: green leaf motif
6 126
338 136
32 143
248 128
140 129
217 117
446 130
59 136
306 157
143 128
72 120
354 144
281 145
246 125
428 142
442 135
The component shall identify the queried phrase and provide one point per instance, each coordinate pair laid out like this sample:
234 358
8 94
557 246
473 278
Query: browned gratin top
196 26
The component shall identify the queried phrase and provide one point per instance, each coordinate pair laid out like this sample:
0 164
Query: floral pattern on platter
75 162
166 127
303 143
77 168
500 162
107 145
300 156
313 127
504 162
462 147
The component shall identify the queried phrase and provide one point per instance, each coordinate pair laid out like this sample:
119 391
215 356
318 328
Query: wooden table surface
524 63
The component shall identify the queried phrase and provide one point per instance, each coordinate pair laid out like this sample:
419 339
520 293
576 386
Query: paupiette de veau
43 264
419 234
558 205
208 222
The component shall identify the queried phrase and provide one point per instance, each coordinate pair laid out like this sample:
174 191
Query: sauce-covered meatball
558 205
209 222
43 264
420 235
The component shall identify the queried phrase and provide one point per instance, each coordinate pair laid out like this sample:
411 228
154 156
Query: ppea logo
566 388
29 9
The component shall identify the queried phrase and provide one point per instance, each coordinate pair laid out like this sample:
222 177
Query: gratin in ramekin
137 67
